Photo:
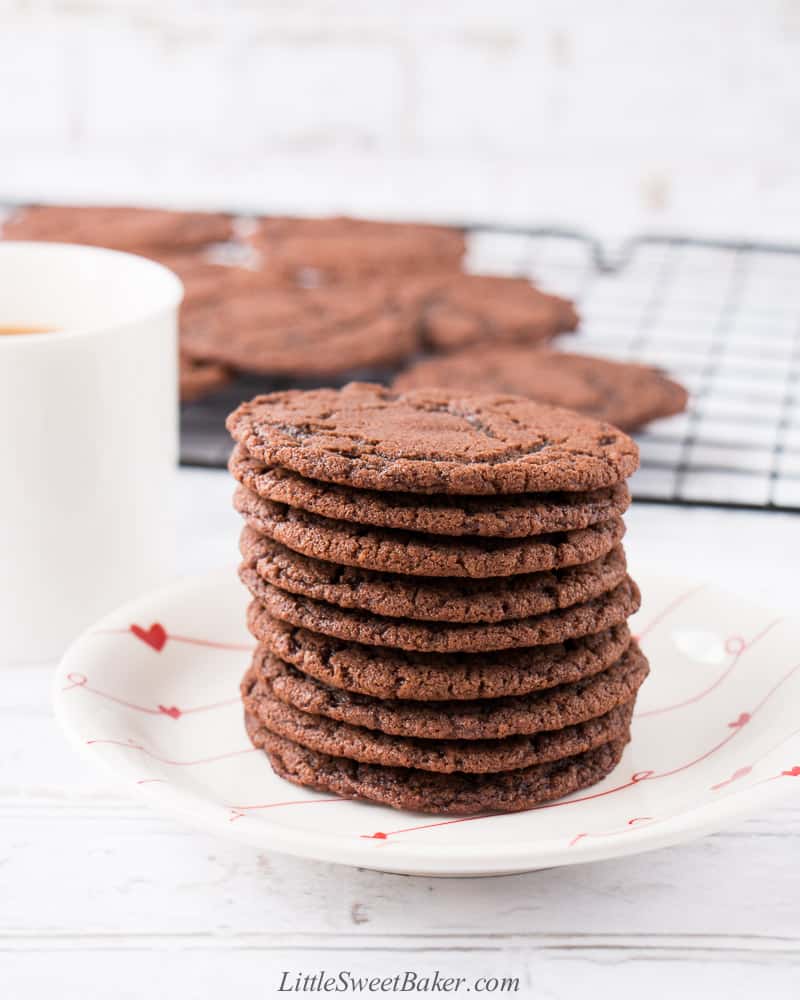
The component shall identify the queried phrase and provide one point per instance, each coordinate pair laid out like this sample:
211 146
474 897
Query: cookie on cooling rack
135 230
622 393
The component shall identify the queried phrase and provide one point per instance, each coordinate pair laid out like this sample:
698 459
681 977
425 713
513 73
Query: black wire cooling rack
721 317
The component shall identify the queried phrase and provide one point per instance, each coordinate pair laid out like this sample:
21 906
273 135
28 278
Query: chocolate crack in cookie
430 598
595 615
454 794
515 516
415 554
428 441
383 672
491 718
369 746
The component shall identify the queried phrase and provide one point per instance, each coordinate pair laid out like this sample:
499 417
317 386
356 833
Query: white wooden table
100 898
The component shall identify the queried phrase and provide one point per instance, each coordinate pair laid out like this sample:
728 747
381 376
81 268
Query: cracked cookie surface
490 517
432 599
411 553
424 791
432 441
490 718
595 615
369 746
396 673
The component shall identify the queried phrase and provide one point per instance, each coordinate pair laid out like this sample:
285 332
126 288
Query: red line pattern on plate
235 646
426 826
736 647
133 745
169 711
662 615
612 833
156 636
789 772
741 772
792 772
240 812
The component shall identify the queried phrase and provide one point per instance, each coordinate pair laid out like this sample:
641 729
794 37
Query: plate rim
398 856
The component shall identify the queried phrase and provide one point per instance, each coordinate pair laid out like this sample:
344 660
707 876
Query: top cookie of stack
440 594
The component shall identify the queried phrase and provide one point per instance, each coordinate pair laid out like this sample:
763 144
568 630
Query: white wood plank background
606 115
100 898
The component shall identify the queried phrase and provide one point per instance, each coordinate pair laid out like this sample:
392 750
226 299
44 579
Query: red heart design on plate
743 719
155 636
172 711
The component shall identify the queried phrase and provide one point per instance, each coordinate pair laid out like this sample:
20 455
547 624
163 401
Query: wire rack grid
722 318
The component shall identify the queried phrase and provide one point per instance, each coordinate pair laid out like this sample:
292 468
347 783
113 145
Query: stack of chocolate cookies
440 595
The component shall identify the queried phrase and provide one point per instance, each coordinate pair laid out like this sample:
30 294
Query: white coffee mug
88 438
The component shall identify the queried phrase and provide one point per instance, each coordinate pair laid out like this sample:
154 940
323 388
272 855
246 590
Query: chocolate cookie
307 332
135 230
488 718
388 550
319 251
199 378
458 310
624 394
395 673
430 599
205 279
494 517
596 615
430 441
340 739
444 794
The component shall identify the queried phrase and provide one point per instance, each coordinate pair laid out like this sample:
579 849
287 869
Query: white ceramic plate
151 693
